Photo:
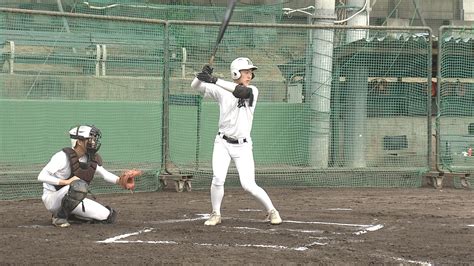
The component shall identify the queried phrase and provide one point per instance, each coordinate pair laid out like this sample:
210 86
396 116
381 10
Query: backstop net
338 106
455 123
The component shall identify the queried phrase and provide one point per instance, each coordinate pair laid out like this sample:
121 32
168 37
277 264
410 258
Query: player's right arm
204 81
56 172
198 85
206 89
211 86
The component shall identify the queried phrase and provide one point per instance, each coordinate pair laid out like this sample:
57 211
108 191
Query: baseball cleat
60 222
213 219
274 217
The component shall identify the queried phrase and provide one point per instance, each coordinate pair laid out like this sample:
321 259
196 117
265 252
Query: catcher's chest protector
84 171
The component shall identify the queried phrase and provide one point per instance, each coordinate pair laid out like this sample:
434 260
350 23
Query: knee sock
217 194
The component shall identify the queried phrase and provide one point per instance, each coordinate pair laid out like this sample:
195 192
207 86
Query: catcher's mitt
127 179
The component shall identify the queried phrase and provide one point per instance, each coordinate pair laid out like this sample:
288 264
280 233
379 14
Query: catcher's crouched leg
76 193
112 216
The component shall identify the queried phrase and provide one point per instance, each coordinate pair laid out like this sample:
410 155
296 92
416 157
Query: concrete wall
468 10
415 130
430 9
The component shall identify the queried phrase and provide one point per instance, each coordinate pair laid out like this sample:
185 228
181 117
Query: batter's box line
277 229
364 228
117 239
120 239
302 248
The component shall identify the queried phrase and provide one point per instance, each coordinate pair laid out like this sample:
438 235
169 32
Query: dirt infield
337 226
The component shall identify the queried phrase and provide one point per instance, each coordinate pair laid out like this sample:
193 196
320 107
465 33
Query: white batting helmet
238 64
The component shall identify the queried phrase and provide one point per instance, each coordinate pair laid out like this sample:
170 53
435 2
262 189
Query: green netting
179 10
337 107
455 99
94 71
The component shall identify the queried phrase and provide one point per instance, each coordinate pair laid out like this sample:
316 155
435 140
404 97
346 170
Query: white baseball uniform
235 124
58 168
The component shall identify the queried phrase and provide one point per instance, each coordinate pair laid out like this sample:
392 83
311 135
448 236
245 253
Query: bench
21 57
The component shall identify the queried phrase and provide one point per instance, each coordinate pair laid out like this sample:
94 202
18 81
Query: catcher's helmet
86 132
241 63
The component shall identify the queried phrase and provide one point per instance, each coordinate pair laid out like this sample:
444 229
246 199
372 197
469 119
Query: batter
237 101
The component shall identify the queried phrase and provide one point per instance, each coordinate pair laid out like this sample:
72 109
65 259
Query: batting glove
206 77
207 69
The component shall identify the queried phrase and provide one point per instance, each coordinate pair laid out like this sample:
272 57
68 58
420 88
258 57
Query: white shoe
274 217
213 219
60 222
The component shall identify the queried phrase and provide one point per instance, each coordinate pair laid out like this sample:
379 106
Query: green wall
32 130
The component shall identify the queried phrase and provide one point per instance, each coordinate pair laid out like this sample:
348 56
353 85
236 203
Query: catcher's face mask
93 142
91 136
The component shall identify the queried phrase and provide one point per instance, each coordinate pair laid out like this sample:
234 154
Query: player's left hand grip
206 77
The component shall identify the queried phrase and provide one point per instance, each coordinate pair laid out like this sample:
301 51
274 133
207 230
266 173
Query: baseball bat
223 27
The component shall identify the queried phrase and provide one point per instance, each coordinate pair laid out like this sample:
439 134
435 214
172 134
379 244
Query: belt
231 140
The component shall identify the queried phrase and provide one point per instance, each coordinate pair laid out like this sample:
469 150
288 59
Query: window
391 143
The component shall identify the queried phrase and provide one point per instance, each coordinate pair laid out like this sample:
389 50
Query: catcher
67 176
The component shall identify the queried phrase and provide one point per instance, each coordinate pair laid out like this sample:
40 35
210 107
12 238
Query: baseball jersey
235 120
58 168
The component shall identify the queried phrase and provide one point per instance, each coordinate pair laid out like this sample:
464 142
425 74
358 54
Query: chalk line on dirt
423 263
141 241
302 248
116 238
280 229
328 209
249 210
34 226
373 227
368 227
120 238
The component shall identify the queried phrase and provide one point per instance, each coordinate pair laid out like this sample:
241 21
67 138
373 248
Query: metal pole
355 126
66 25
355 129
165 158
319 83
198 131
360 19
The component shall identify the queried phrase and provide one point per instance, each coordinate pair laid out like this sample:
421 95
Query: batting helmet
241 63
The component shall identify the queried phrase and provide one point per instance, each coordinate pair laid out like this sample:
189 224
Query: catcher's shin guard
112 216
77 192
